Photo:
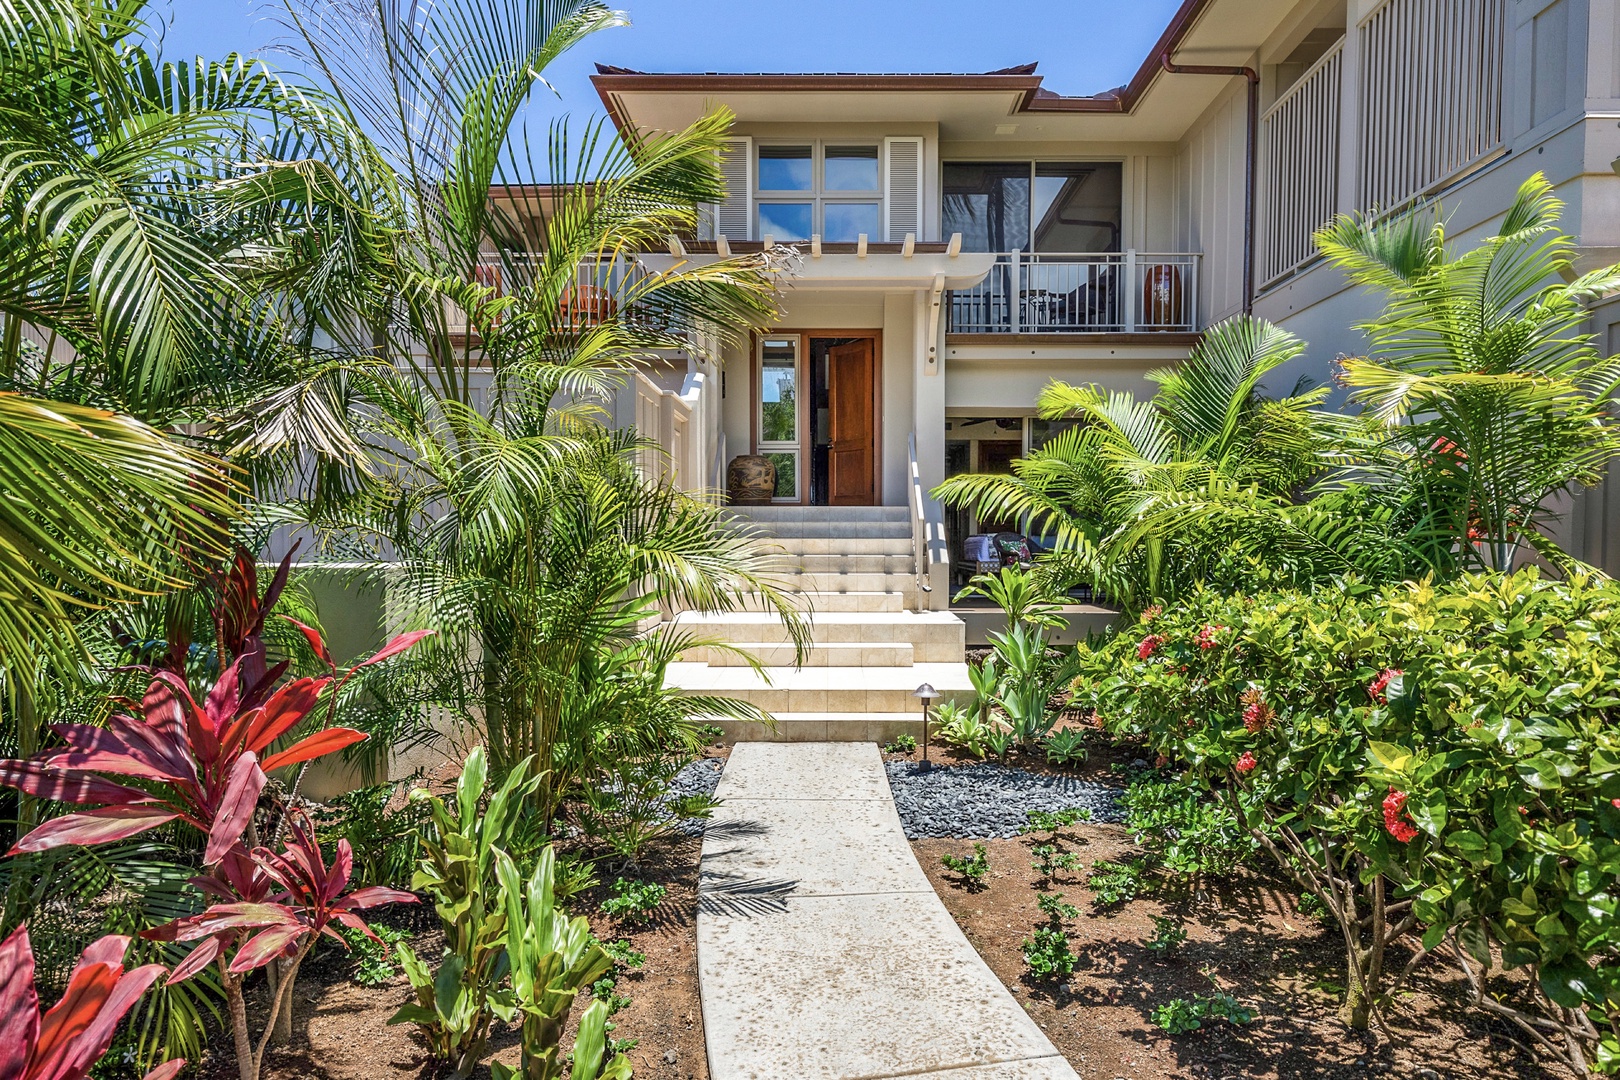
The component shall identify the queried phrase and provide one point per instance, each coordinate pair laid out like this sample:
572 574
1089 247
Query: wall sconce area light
927 693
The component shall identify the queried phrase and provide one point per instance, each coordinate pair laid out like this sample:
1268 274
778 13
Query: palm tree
1486 399
543 557
1100 490
463 398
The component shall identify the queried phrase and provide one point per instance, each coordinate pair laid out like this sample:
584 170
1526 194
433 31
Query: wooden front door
852 455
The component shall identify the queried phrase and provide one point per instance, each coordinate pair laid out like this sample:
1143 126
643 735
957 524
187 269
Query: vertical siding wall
1209 177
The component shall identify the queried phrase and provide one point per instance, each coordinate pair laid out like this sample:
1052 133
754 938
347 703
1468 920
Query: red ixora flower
1257 715
1378 687
1148 645
1401 828
1246 763
1206 636
1615 803
1149 613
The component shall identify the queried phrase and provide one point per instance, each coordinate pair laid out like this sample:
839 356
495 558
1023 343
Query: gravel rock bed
699 778
986 800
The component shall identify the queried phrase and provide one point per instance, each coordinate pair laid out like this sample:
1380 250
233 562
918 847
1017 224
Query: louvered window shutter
734 218
902 186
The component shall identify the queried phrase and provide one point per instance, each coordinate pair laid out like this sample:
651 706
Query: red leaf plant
205 764
276 909
72 1036
198 763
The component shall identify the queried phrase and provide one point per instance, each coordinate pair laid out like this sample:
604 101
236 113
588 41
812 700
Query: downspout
1249 157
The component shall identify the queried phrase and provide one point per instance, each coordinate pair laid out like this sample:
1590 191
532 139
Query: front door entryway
817 417
851 434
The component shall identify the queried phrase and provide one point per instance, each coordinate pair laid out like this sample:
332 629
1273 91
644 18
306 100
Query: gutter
1253 78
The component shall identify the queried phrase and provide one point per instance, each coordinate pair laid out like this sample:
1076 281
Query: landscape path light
927 693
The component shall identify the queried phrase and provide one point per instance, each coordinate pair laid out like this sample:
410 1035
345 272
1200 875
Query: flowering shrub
1437 763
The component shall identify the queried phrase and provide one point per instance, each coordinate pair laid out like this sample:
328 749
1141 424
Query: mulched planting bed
1246 936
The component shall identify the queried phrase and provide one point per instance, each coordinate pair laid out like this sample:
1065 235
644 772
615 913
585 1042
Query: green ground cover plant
634 901
1047 953
971 870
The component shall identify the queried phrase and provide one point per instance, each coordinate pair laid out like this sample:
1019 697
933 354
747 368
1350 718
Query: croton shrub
1439 763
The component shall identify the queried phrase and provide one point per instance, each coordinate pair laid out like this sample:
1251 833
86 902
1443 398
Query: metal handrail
919 518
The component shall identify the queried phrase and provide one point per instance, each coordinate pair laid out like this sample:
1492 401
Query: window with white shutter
734 217
902 189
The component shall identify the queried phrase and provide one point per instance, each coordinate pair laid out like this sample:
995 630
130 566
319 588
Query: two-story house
963 239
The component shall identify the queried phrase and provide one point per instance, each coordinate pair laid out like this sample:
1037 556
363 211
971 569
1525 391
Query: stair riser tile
843 565
872 600
842 547
891 655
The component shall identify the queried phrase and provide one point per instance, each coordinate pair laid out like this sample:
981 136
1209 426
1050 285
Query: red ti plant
197 762
72 1036
292 899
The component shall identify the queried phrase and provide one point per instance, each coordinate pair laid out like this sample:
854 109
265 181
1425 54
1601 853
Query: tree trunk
283 984
246 1067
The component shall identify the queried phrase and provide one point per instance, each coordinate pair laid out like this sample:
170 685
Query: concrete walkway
823 951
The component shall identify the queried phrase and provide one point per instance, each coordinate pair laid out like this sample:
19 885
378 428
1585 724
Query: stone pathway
823 951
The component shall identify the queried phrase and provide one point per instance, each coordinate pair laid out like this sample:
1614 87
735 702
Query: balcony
603 289
1127 292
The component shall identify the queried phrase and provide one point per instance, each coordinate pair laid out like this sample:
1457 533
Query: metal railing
1300 151
1081 293
600 289
928 542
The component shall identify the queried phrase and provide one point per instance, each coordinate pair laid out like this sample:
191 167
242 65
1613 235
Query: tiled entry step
852 569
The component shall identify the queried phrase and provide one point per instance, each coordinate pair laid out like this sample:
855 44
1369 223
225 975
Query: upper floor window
1035 205
826 188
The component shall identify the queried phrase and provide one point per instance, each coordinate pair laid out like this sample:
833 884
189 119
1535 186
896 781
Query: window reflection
785 221
846 221
785 168
850 168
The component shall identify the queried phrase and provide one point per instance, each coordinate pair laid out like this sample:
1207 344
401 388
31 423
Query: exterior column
928 418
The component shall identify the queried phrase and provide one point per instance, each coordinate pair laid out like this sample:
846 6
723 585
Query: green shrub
633 901
1066 747
1168 935
1188 1014
1114 883
971 869
1047 954
1056 909
1435 762
1054 821
902 744
372 965
1049 860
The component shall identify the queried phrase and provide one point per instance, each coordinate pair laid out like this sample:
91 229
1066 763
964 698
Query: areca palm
1486 398
1095 488
535 545
95 508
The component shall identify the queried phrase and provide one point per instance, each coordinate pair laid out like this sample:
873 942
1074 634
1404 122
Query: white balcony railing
1300 165
1123 292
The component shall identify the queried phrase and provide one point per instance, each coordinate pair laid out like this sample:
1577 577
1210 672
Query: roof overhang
1152 106
881 271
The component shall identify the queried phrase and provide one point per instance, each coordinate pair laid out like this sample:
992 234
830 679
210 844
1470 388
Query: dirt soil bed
1247 937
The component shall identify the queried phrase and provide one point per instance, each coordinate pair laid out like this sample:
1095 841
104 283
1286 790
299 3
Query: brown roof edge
1120 100
1124 99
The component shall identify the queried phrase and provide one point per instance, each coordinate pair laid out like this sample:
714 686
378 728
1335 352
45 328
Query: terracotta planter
750 480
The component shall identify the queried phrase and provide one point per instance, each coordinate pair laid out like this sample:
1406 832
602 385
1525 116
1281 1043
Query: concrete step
870 581
825 689
825 727
846 546
935 636
868 530
820 654
873 601
777 514
856 564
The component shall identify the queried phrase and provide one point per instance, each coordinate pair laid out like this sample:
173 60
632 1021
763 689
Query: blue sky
1083 46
